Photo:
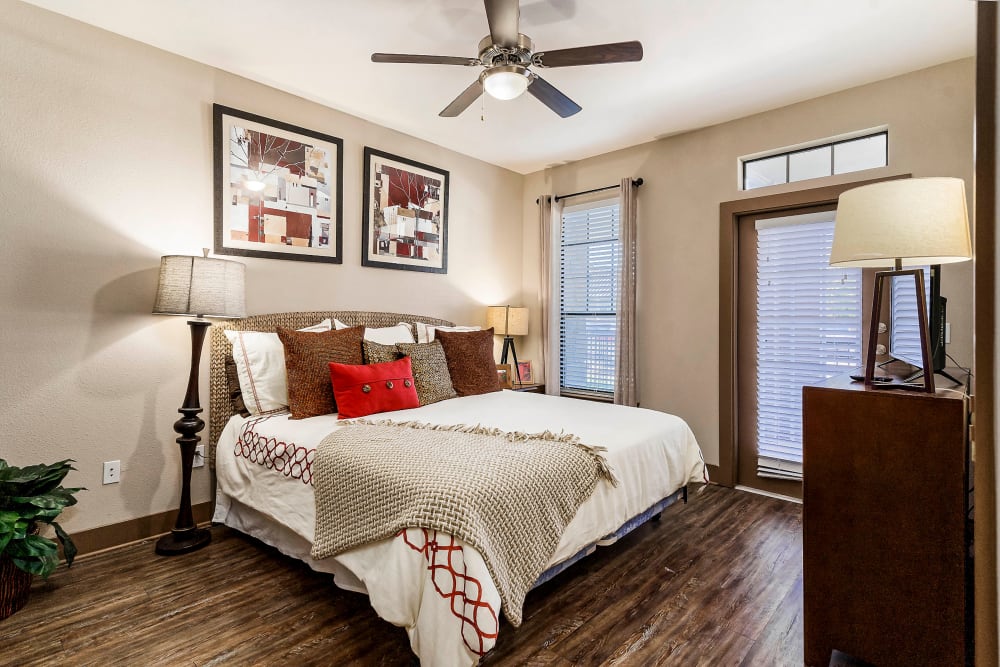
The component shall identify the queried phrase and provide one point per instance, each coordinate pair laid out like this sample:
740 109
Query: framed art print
405 214
504 376
524 370
278 189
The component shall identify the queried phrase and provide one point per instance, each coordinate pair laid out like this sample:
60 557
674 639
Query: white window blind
904 335
808 329
590 254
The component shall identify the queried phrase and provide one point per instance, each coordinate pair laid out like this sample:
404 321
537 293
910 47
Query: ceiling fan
507 55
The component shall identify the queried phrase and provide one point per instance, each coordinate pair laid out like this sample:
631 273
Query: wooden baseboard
133 530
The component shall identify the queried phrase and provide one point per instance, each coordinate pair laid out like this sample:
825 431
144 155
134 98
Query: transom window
824 159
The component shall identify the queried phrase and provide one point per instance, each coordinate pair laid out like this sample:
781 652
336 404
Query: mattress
263 467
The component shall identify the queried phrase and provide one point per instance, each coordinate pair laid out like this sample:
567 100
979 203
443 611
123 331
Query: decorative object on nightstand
508 321
524 375
203 287
505 377
904 222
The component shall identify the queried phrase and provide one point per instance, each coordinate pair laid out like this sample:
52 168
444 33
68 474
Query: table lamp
203 287
508 321
903 222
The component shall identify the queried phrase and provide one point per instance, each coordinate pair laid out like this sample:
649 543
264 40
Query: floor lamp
899 223
203 287
507 322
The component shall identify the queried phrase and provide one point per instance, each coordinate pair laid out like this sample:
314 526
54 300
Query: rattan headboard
220 407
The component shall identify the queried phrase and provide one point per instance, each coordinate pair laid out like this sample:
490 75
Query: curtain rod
636 182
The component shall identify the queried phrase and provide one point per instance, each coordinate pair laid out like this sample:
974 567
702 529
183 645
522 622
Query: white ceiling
706 61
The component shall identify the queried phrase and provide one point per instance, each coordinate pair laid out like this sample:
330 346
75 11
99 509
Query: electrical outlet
112 472
947 333
199 457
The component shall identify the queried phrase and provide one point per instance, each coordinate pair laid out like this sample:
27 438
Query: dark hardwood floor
716 582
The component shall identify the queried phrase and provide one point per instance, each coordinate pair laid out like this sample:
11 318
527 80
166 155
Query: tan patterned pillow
470 361
377 353
430 371
307 361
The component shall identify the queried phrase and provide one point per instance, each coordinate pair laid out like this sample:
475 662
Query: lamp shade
202 286
916 220
507 321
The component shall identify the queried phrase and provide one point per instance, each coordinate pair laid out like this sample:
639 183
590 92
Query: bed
433 584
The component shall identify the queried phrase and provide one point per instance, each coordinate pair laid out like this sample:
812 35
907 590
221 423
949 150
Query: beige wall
929 114
106 164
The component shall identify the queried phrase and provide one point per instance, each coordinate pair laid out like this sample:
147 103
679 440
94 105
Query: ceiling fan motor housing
493 55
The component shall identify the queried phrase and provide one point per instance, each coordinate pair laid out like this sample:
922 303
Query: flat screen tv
904 334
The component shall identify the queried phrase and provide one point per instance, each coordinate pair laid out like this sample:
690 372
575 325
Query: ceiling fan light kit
507 54
505 82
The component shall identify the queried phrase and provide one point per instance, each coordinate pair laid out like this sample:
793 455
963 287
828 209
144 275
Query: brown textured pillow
430 371
307 363
235 393
470 360
377 353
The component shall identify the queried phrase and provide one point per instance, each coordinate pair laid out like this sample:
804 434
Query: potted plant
28 497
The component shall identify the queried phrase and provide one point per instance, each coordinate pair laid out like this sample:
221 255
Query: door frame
984 344
730 213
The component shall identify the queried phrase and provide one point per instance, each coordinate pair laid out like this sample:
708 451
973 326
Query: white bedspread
432 584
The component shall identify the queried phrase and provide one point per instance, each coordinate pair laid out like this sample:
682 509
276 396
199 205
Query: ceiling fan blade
462 102
423 60
619 52
503 17
550 96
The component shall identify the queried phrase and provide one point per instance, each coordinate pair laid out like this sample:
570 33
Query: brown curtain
626 382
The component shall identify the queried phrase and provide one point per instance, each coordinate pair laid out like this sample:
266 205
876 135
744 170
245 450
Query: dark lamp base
183 541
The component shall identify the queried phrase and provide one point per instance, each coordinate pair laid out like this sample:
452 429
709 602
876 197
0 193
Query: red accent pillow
367 389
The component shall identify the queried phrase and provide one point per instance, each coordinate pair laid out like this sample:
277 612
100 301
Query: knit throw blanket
509 495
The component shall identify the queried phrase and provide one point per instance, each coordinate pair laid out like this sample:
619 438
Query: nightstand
530 388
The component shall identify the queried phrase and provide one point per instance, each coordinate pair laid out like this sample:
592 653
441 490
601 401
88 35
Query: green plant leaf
27 512
33 546
41 567
33 480
35 554
21 528
69 549
54 499
8 528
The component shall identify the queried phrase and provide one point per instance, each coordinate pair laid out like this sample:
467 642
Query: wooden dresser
886 526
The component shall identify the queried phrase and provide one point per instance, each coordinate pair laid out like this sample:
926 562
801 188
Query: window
808 329
590 254
823 159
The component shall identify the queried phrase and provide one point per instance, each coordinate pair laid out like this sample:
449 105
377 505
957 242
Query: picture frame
524 369
405 214
505 376
278 189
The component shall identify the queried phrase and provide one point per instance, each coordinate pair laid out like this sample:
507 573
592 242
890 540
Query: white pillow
260 364
401 333
425 332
